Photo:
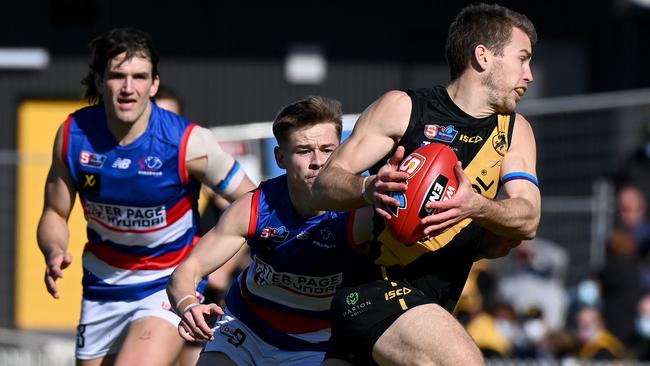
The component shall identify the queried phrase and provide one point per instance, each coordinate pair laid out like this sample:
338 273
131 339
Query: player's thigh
426 335
190 353
214 359
151 341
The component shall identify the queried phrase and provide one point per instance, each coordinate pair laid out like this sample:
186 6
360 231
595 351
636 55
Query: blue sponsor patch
440 133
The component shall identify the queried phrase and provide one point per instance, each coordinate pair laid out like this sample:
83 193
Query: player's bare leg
151 341
190 354
426 335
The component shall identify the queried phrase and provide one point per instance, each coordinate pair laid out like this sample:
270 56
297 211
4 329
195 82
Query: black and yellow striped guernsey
480 144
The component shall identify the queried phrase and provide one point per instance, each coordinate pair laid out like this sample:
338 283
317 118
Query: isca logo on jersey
399 292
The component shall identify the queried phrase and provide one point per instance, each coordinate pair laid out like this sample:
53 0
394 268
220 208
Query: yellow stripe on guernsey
484 172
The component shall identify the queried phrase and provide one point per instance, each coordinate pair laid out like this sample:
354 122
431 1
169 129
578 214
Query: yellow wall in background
38 122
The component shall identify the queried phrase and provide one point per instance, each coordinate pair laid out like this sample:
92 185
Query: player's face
510 74
127 87
306 151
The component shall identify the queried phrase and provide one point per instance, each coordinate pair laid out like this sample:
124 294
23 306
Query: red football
431 178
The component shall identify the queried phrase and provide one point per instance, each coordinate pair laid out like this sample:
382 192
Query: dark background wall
612 32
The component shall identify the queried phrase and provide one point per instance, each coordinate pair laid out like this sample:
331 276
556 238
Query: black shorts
361 314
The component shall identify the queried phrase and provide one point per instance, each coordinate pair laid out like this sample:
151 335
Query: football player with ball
431 227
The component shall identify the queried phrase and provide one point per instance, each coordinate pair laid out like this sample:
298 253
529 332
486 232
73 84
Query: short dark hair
131 41
307 112
490 25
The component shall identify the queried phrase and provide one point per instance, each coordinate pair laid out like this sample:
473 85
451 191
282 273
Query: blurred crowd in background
520 306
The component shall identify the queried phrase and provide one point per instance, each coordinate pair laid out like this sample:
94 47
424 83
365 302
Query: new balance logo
121 163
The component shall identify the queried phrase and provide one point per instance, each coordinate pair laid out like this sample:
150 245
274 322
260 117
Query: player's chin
507 105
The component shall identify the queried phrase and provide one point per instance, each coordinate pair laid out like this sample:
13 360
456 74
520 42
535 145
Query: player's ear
481 57
279 157
154 87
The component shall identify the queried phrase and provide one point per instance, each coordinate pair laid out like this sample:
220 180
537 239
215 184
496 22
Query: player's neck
469 95
127 132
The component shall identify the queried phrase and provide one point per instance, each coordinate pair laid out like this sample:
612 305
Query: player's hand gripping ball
431 178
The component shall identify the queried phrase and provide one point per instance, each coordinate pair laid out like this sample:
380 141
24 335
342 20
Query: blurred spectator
509 325
632 209
635 170
641 342
536 331
549 257
586 293
490 336
563 347
493 330
596 342
620 285
537 281
478 290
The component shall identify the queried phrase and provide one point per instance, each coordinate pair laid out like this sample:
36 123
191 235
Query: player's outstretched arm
339 185
211 252
515 217
52 232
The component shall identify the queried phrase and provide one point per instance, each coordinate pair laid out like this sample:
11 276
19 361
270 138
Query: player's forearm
181 287
338 189
514 218
52 234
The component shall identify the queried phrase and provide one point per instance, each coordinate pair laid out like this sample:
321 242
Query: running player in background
407 319
137 169
219 280
277 312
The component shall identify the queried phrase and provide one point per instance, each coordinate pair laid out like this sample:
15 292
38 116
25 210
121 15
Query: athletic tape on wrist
364 191
188 307
179 302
